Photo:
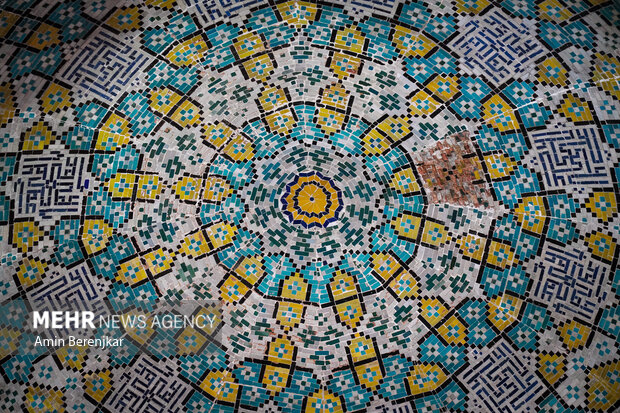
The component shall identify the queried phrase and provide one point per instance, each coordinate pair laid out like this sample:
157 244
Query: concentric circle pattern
399 206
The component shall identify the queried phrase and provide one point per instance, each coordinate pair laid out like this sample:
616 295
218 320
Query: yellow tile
121 185
350 39
221 386
189 53
248 44
574 334
407 226
369 375
297 13
453 331
350 312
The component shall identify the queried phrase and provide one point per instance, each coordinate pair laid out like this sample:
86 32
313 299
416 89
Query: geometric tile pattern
399 206
102 67
496 384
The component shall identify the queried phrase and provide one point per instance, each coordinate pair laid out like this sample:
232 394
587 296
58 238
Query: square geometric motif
498 45
575 284
503 382
573 156
105 66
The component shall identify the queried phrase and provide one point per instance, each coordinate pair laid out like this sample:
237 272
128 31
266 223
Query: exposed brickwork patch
452 173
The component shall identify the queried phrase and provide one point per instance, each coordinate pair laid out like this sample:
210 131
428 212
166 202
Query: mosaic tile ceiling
400 206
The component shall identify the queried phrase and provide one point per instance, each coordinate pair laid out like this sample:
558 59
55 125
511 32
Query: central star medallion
311 200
